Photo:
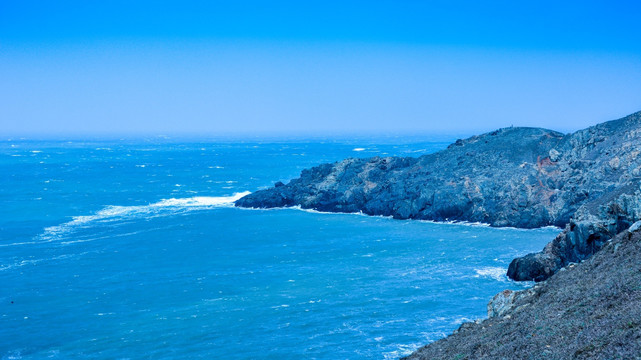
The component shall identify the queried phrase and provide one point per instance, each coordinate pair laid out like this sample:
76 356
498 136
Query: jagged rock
506 302
554 155
634 227
501 303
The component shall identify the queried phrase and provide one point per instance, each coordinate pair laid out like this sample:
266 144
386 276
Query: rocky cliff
587 182
590 310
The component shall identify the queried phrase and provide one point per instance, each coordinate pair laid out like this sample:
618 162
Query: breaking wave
492 272
163 207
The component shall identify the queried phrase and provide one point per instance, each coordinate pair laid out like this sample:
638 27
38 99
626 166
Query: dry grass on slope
590 310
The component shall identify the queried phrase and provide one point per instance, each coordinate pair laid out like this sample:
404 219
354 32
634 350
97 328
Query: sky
210 68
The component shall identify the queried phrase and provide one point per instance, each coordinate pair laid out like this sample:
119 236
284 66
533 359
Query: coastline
586 183
360 213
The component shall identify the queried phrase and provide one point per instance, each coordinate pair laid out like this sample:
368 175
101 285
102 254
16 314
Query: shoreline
587 184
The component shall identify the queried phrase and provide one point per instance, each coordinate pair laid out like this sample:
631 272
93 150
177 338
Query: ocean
132 249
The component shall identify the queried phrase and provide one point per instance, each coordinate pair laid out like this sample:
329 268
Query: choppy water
132 249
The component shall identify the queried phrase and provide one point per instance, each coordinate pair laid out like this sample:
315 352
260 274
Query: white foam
481 224
280 306
461 319
493 272
202 201
459 223
312 211
361 213
21 263
358 149
401 350
166 206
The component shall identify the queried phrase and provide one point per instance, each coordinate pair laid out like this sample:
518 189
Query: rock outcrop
587 182
590 310
593 224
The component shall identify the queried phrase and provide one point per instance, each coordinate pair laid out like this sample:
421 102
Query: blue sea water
113 249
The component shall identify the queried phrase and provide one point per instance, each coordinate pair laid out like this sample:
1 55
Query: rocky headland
587 182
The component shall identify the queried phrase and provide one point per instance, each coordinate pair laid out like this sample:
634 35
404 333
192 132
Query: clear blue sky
315 67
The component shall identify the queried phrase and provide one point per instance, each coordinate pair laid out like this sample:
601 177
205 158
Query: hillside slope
591 310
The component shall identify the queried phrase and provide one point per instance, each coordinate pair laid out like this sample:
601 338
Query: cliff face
587 182
604 158
590 310
593 224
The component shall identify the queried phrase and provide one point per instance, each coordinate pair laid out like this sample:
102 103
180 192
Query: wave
401 350
447 222
492 272
313 211
163 207
442 222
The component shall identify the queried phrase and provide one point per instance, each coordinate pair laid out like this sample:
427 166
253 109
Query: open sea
132 249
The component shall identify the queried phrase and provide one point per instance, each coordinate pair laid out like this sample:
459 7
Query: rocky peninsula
587 182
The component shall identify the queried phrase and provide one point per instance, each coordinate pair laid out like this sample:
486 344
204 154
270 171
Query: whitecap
19 264
493 272
280 306
24 262
13 355
358 149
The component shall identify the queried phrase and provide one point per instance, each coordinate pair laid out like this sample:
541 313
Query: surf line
114 213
